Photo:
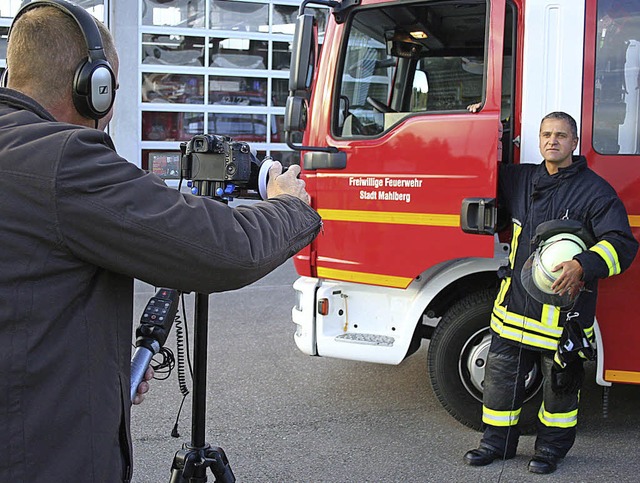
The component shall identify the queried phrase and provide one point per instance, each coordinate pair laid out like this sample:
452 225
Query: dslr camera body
222 168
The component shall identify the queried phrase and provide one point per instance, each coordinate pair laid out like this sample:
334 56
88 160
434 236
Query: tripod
191 462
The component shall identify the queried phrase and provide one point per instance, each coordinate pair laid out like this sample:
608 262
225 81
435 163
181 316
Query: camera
222 168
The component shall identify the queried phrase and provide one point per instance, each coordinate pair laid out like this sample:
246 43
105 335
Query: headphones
94 81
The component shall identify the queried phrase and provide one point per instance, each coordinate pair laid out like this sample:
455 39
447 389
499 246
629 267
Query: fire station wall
201 66
194 66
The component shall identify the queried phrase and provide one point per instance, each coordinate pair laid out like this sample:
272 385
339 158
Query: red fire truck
405 176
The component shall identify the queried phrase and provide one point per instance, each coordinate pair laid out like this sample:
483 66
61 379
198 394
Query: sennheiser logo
103 89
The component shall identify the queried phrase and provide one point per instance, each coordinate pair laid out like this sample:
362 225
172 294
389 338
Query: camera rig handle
263 176
155 325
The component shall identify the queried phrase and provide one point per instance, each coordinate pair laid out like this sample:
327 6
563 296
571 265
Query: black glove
567 379
567 372
574 344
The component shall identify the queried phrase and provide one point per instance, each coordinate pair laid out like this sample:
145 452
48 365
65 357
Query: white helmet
537 273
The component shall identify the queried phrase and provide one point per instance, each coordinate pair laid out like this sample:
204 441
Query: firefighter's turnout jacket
525 330
532 196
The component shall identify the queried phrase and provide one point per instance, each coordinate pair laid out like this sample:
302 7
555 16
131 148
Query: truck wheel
457 356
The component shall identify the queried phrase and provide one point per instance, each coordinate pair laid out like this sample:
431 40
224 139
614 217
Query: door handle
479 216
315 160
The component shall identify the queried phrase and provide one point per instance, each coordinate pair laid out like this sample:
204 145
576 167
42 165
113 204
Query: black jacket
77 225
532 196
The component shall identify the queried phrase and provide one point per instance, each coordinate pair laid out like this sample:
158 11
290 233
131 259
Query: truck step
369 339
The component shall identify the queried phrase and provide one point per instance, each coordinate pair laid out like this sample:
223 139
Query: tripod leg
220 465
178 466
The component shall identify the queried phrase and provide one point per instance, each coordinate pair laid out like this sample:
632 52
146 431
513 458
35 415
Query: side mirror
303 59
295 115
303 54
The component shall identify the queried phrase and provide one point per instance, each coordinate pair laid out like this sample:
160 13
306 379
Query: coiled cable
182 346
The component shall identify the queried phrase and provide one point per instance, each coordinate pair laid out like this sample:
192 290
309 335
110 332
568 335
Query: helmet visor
537 282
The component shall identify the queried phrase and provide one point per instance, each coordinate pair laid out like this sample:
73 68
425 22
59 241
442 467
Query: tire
456 358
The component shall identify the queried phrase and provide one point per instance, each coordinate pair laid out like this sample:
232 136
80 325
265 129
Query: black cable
182 345
529 217
174 431
163 367
182 377
515 390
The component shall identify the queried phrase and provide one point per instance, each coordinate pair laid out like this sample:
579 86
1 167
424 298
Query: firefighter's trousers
504 391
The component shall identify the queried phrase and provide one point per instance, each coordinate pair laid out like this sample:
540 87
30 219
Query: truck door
610 139
392 92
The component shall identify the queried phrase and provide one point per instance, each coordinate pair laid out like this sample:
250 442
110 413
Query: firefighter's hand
474 107
143 387
570 280
286 183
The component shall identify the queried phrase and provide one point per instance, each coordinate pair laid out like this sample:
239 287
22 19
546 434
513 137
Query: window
173 13
171 126
172 88
9 8
280 92
241 127
239 16
616 113
232 53
167 49
238 91
214 67
410 58
4 34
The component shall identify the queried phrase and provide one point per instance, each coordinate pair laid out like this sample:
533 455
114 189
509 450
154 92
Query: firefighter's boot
544 462
481 456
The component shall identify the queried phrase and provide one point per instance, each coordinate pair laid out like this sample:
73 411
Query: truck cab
402 112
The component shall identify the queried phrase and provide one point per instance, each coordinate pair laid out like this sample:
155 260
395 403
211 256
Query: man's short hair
563 116
45 47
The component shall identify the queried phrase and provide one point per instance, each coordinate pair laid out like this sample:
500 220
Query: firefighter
557 330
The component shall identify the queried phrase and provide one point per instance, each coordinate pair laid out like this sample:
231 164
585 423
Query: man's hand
143 388
287 183
570 280
474 107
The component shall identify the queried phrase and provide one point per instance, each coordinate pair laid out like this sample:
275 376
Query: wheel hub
472 363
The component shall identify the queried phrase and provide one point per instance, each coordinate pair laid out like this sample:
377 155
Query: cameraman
77 224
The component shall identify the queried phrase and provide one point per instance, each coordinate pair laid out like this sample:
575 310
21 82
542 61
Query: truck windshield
410 58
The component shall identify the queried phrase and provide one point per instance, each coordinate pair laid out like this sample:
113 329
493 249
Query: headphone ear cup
94 89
